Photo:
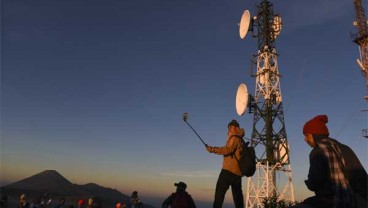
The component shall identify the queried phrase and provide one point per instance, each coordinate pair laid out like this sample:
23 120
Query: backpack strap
242 141
241 138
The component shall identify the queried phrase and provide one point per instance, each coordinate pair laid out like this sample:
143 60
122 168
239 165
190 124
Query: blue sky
96 89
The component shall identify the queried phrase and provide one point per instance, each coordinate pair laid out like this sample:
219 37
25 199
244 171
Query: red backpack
181 200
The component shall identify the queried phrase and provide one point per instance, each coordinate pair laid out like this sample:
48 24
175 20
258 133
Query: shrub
274 202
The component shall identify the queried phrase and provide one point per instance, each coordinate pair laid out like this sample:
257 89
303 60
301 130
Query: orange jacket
230 163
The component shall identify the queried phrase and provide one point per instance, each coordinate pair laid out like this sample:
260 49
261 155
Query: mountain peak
50 173
48 178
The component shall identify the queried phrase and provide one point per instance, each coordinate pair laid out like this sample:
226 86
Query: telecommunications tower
273 175
361 39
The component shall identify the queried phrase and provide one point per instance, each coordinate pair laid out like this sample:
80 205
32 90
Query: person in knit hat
81 203
335 175
230 174
120 205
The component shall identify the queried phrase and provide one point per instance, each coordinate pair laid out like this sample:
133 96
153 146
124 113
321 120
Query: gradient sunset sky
96 89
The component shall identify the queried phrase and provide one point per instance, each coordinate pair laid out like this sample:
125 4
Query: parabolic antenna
360 64
244 24
276 26
241 102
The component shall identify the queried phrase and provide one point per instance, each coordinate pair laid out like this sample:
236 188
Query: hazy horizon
155 201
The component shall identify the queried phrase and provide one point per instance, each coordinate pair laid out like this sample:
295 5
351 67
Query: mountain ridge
56 185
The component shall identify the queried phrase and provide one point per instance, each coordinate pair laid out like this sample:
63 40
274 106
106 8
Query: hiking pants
226 179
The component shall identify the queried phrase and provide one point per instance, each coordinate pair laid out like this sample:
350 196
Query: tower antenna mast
361 39
269 135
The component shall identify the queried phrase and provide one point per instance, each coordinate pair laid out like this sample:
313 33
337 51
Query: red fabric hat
81 202
316 125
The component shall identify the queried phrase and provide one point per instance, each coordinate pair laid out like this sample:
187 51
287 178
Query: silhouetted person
95 202
230 174
36 202
90 203
44 200
23 203
61 203
336 175
120 205
179 199
81 203
135 201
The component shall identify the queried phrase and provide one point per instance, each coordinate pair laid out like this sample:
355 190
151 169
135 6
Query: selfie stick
185 117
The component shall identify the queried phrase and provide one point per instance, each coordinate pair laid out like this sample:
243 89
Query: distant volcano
53 183
47 181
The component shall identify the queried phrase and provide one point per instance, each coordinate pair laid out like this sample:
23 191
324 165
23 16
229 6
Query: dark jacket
179 199
319 171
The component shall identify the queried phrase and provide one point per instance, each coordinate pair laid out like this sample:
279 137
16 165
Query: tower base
262 185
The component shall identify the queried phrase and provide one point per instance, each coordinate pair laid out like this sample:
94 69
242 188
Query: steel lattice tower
269 135
361 39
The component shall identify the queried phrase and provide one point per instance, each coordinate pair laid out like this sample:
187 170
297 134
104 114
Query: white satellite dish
241 101
360 64
276 26
244 24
